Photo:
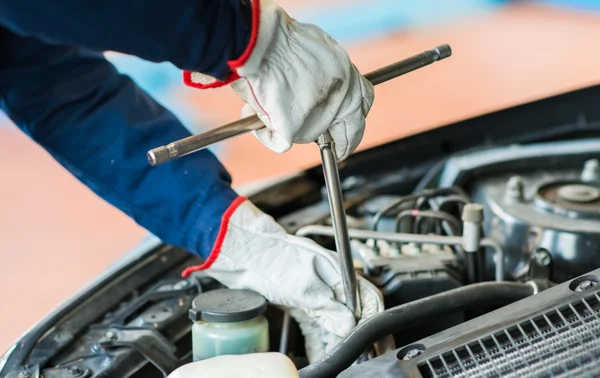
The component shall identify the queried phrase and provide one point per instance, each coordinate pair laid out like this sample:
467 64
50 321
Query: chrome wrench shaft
338 219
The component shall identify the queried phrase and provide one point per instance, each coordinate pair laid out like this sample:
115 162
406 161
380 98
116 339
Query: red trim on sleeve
233 64
220 239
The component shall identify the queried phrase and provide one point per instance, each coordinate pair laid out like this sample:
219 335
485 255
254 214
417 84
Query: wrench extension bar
198 142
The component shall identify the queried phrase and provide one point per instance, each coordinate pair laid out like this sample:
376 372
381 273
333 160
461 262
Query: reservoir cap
227 306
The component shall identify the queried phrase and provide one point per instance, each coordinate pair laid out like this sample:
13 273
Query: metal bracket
160 292
148 342
31 372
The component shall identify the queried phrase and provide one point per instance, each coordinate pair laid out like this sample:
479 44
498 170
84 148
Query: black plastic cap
227 306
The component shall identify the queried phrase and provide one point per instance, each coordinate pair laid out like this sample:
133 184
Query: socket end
158 155
444 51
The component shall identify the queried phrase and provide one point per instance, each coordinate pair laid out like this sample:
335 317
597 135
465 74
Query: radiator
555 333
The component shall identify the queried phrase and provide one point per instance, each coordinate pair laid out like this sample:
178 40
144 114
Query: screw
584 285
542 257
181 285
591 171
24 374
515 189
111 335
75 371
412 354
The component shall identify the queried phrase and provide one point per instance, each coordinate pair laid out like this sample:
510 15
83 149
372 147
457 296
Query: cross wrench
330 169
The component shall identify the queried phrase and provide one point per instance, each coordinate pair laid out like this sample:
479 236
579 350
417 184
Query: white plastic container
228 322
258 365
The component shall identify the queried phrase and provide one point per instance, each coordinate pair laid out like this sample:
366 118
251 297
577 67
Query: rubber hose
401 317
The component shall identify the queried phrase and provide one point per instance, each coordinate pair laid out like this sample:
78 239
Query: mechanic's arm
99 125
199 35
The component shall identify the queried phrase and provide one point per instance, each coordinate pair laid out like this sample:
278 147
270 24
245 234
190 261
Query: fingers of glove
317 340
247 111
313 338
275 140
370 300
267 136
348 129
368 93
347 135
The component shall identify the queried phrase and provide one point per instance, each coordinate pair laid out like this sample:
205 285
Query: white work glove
254 252
299 81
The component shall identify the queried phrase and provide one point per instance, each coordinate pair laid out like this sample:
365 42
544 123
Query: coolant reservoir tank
228 322
257 365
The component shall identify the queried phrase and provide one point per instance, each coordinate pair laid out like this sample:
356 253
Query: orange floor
56 235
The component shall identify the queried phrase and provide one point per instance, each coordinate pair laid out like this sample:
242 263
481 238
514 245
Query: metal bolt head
24 374
111 335
412 354
585 285
75 371
542 257
515 189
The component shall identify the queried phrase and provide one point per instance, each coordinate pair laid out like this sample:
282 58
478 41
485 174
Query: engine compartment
540 200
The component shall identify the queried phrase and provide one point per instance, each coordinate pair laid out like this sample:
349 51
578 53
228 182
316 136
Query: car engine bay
485 247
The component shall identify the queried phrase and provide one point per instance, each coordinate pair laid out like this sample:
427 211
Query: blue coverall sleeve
194 35
98 124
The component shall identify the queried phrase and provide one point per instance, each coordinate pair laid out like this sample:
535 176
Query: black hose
428 214
429 193
456 199
398 318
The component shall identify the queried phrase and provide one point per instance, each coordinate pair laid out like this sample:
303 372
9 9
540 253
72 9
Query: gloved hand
254 252
299 81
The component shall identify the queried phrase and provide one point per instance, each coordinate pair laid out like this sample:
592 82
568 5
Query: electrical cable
428 214
395 319
412 197
454 199
426 198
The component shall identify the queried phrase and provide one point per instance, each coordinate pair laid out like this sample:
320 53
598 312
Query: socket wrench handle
198 142
338 220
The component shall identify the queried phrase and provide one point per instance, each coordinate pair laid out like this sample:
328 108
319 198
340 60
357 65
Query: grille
564 342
